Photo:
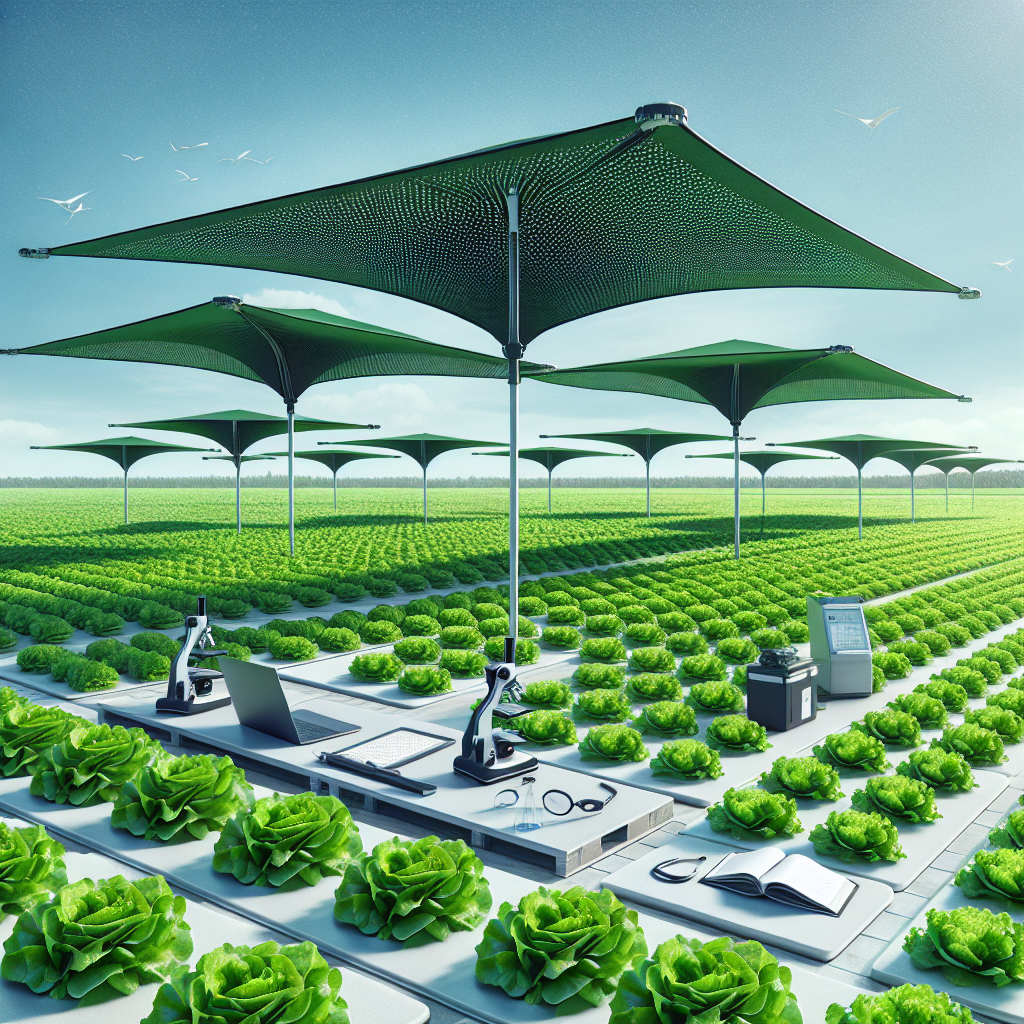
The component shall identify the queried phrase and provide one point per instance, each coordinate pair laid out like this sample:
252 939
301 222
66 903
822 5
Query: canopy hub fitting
230 301
964 398
35 254
654 115
838 348
964 293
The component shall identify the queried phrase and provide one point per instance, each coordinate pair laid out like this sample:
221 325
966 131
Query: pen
371 771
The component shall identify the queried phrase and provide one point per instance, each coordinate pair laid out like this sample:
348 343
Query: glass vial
527 811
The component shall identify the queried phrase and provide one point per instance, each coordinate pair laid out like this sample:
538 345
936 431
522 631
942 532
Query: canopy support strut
947 491
514 353
913 515
291 477
238 474
547 457
734 419
860 499
648 463
335 488
423 463
972 489
124 462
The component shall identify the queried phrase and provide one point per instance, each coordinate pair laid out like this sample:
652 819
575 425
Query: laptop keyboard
307 731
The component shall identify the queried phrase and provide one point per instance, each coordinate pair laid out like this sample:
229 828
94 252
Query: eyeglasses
557 801
667 871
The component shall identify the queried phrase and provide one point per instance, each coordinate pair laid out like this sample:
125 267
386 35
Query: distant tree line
989 478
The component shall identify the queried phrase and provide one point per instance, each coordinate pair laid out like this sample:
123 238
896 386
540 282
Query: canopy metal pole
762 497
550 467
335 488
972 488
124 462
514 352
237 453
913 517
947 492
860 498
648 462
736 489
291 477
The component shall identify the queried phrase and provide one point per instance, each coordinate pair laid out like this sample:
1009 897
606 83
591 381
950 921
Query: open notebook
795 880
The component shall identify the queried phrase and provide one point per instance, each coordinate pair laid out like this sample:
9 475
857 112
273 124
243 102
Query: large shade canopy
970 463
646 442
288 350
125 451
911 459
424 448
239 429
737 377
762 462
551 458
334 460
860 449
521 237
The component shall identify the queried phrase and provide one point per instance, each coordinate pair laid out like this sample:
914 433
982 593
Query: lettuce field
69 544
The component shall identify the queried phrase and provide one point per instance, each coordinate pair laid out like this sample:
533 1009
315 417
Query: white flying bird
65 203
132 158
78 209
1005 266
185 177
241 156
262 163
870 122
199 146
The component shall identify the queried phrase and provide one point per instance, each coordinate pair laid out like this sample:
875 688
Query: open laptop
260 704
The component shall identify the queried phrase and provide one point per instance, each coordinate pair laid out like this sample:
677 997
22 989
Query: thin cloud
278 298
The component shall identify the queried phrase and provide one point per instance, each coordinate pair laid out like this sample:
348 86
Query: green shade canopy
762 462
550 458
424 448
125 451
646 442
334 460
911 459
860 449
970 463
237 458
289 350
737 377
609 215
235 430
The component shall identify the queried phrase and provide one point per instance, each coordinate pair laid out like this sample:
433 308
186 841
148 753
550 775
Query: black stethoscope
663 873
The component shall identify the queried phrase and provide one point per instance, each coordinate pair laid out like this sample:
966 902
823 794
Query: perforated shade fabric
125 451
288 350
912 459
645 441
335 460
737 377
424 448
609 215
239 429
763 461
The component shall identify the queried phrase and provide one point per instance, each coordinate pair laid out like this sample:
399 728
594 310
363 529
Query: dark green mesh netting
913 458
550 458
763 461
289 350
333 460
969 463
738 376
609 215
645 441
860 449
424 448
238 429
125 451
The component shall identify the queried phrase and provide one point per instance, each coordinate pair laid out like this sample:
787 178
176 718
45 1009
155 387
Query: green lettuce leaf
855 835
940 769
715 697
736 732
994 875
686 759
804 777
613 742
26 730
549 727
907 1004
894 728
853 751
898 797
667 718
973 743
31 868
755 814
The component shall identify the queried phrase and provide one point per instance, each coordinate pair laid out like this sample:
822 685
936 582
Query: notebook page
756 863
809 879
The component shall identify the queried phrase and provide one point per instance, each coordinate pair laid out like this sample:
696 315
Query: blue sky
334 91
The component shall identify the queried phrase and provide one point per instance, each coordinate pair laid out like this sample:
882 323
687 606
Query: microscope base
499 773
176 706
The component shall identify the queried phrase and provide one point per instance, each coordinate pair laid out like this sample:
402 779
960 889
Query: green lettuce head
907 1004
417 650
91 764
755 814
547 727
667 718
300 838
602 677
894 728
898 797
9 699
715 697
736 650
853 751
1010 834
415 892
686 643
425 681
855 835
547 693
562 949
702 666
969 944
721 980
804 777
258 985
952 695
26 730
652 659
930 712
688 760
736 732
994 875
654 686
1008 725
527 652
376 667
940 769
605 648
613 741
893 666
463 664
98 940
182 797
31 868
977 746
611 705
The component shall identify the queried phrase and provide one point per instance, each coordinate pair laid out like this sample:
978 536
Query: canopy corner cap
228 301
964 398
9 351
34 254
969 293
654 115
832 349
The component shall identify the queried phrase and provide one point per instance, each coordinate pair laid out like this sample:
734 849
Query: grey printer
840 645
